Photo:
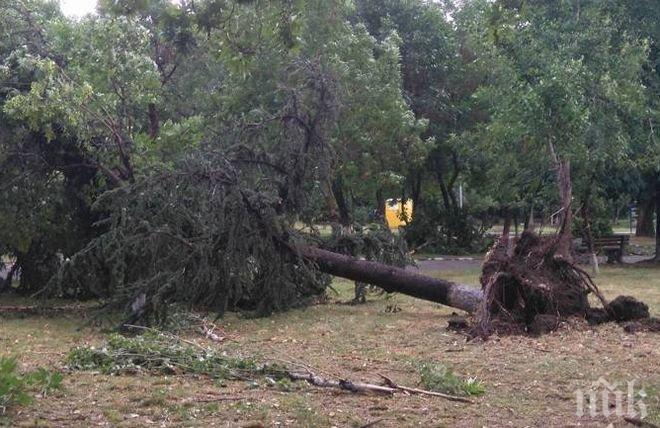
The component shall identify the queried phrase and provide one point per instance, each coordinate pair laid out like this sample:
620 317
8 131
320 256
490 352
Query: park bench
613 246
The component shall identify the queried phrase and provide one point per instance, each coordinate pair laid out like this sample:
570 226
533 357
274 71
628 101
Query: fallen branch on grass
389 382
346 385
360 387
166 353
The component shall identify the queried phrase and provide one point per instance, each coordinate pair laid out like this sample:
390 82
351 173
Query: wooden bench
613 246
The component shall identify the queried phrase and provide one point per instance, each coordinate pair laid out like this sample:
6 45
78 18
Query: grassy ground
529 381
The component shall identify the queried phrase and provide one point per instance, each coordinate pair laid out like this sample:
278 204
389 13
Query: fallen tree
204 237
393 279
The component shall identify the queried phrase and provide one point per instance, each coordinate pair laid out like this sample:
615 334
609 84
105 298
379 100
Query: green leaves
557 75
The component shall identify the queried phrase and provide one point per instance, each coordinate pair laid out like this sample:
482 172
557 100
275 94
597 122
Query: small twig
211 400
372 423
535 348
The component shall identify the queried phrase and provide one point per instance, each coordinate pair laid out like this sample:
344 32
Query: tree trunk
379 216
515 222
586 216
416 192
330 201
529 221
506 229
443 188
342 204
645 217
393 279
563 167
154 121
657 218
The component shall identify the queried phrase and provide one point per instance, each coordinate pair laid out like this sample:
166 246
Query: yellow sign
398 214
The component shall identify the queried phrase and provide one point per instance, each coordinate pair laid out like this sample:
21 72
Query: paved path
455 263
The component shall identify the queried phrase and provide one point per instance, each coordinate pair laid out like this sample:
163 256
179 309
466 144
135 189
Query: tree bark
529 221
506 228
443 187
330 201
657 218
645 216
342 204
380 207
566 195
586 216
154 122
563 170
393 279
416 191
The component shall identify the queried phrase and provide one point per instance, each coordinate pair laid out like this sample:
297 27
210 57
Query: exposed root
531 287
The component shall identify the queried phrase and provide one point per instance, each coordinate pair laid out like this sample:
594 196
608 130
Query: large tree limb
393 279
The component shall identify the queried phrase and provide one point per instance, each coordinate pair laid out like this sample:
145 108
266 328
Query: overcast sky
77 8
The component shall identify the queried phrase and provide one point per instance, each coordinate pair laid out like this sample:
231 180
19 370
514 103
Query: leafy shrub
438 231
439 378
15 387
599 227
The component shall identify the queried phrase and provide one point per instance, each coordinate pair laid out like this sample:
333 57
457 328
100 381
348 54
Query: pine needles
160 353
200 236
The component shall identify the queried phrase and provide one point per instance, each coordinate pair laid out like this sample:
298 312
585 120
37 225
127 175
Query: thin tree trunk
342 204
566 195
380 207
515 222
440 176
506 229
393 279
617 214
563 169
416 192
586 215
154 121
444 191
330 201
529 222
657 218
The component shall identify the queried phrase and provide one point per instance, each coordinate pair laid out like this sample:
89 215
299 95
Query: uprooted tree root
531 288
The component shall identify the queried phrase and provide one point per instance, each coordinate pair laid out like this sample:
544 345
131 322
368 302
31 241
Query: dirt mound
627 308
